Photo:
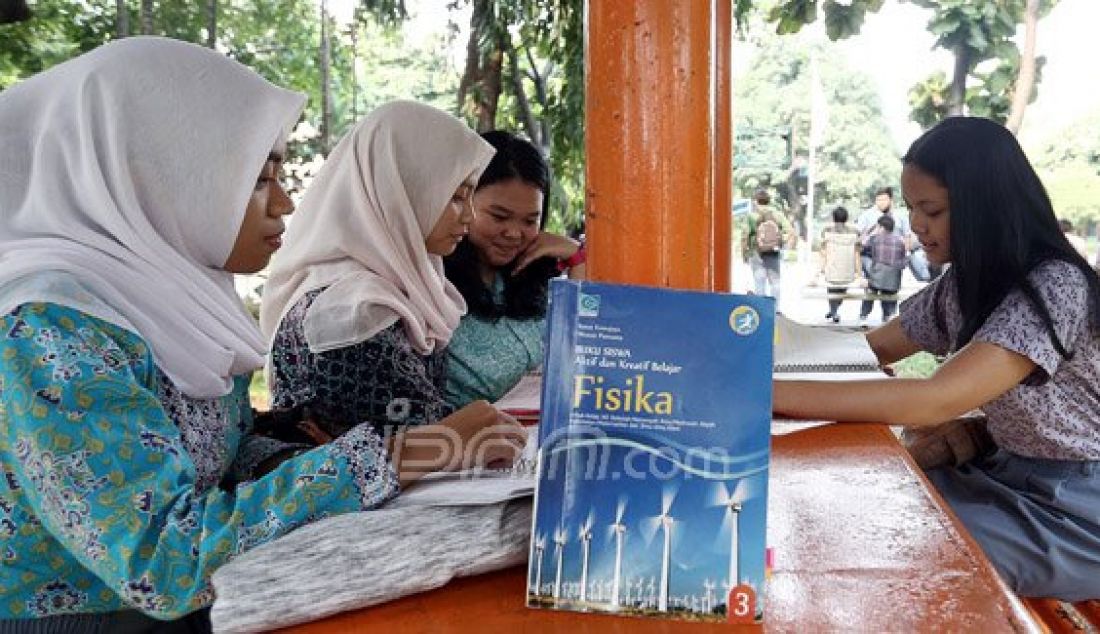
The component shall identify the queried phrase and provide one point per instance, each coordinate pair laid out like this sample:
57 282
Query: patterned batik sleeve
922 316
102 467
1015 324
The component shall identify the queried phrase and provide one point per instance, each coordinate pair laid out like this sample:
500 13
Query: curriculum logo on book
744 320
588 305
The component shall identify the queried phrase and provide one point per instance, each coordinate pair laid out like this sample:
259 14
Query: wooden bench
1062 617
862 542
858 294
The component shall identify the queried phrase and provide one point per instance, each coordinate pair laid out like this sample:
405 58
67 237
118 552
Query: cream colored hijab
130 168
361 227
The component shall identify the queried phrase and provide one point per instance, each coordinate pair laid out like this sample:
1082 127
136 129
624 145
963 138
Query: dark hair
1065 225
889 191
525 292
1001 222
840 214
761 196
886 222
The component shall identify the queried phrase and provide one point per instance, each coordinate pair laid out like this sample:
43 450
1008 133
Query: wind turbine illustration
560 537
733 502
665 522
585 536
540 547
618 529
666 525
708 600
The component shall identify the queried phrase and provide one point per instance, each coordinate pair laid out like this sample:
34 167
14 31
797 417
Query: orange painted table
862 542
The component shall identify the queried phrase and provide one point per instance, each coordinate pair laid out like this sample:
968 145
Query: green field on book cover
653 459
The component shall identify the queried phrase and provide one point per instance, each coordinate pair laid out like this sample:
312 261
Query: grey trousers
1037 520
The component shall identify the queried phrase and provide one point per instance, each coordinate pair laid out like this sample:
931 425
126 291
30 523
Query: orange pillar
723 155
656 168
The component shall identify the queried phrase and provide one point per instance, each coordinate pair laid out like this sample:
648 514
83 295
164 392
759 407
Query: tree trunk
522 104
957 97
122 19
794 200
482 77
471 75
1025 82
326 87
146 17
211 23
539 81
491 87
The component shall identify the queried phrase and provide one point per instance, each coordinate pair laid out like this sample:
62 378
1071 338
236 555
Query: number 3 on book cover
653 463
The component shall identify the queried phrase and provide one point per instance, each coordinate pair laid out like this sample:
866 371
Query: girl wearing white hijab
128 197
358 306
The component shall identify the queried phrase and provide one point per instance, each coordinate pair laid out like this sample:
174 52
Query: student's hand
950 444
478 435
546 245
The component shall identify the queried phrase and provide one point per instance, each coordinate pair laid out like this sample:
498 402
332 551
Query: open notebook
476 486
488 486
812 349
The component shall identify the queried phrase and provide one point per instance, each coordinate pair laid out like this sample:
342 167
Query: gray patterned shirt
1055 412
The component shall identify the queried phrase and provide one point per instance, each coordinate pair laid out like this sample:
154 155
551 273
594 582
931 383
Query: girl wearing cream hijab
134 181
358 307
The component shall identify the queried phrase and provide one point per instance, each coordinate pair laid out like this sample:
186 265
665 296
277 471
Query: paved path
811 310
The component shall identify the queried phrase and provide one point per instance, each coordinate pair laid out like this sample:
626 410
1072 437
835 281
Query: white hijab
361 227
130 168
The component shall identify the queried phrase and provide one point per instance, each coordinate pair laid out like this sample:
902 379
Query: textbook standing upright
653 460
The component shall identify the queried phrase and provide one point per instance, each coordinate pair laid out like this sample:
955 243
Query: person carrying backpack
762 243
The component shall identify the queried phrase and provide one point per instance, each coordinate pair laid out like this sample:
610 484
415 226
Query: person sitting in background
503 271
840 248
867 223
887 264
357 307
1018 311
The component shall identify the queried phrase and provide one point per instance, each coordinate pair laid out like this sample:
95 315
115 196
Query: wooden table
862 543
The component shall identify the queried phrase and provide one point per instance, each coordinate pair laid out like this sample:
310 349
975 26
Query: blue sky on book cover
654 437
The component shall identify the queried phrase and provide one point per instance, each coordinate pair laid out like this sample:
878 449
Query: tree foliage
855 154
1069 164
978 33
525 72
842 20
57 30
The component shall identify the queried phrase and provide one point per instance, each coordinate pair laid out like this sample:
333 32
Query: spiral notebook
821 349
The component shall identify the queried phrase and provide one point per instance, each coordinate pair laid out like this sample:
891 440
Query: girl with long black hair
1017 313
503 271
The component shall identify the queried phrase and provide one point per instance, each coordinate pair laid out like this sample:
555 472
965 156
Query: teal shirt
109 495
486 358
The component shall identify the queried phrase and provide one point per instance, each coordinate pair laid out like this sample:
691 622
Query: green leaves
856 153
843 19
792 15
